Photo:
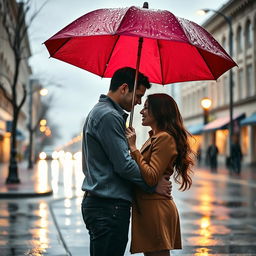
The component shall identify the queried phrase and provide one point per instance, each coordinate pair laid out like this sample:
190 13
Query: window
245 140
239 40
240 83
224 43
248 34
249 80
221 141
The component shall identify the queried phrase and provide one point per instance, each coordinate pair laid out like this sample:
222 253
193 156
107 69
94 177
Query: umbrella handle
145 5
136 79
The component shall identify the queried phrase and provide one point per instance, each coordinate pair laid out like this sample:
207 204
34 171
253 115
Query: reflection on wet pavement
43 175
26 229
217 217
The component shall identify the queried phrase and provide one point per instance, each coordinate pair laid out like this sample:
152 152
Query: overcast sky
81 89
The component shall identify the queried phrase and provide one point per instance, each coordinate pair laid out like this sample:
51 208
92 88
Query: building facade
7 67
243 16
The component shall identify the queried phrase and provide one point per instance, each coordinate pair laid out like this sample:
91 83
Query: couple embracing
119 177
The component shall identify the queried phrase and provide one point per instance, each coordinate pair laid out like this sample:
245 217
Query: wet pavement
218 215
32 182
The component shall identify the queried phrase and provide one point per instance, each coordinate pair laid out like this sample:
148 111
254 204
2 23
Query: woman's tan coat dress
155 219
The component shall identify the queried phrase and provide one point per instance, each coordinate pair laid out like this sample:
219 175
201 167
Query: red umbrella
174 49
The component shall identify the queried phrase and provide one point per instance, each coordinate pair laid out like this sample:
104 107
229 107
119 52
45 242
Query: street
217 215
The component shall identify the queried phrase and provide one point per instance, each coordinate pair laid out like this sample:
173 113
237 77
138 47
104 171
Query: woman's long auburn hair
168 118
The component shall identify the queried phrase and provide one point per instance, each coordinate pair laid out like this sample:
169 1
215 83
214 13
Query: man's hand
164 187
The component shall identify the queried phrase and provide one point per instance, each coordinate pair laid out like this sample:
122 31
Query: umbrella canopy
174 49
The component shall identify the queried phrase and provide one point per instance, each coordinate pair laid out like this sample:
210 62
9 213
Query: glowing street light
42 128
48 132
43 92
43 122
206 104
42 156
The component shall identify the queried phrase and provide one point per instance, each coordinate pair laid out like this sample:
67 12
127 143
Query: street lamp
206 103
228 19
42 92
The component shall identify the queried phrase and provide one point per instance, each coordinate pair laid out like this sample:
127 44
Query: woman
155 219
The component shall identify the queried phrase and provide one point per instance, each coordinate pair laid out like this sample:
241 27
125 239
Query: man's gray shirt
107 165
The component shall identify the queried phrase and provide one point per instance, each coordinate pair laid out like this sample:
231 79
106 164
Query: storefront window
221 141
244 139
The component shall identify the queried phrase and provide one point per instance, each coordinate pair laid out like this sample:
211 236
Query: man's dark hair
126 76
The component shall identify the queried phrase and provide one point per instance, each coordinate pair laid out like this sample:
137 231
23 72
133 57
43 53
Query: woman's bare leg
159 253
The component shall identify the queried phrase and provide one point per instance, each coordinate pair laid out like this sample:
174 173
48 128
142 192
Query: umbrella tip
145 5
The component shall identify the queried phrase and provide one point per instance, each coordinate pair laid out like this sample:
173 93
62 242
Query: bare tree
12 16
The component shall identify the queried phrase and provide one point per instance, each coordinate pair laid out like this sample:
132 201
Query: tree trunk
13 177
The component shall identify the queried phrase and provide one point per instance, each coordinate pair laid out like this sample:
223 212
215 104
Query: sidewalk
247 176
36 182
33 183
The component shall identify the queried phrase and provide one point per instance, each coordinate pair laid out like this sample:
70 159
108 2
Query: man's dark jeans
107 221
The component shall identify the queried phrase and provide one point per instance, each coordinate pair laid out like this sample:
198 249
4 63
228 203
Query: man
212 154
110 172
236 155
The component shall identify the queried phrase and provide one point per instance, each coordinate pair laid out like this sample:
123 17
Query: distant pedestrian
199 155
212 155
236 155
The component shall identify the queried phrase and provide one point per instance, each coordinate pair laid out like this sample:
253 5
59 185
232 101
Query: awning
195 129
221 123
249 120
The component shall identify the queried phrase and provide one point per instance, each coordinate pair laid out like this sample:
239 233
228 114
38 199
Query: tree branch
7 79
26 9
37 12
5 93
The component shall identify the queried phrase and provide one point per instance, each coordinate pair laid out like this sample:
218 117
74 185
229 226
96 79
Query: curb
19 195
